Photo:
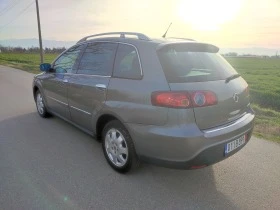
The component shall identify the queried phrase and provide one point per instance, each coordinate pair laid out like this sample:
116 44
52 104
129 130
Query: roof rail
121 34
181 38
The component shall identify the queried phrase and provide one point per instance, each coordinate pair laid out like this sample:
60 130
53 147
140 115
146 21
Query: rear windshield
181 65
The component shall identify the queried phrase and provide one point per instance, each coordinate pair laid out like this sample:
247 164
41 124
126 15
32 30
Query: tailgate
232 98
194 67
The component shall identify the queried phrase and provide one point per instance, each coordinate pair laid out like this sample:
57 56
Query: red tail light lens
182 99
171 99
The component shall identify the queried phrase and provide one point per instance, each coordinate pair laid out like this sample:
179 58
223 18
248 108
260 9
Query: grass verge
28 62
267 123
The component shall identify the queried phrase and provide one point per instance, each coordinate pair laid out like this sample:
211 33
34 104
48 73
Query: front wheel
118 147
40 104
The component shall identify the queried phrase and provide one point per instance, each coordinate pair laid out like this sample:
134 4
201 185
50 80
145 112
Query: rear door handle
101 86
65 80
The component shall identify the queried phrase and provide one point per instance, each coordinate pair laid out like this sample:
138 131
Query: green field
25 61
262 75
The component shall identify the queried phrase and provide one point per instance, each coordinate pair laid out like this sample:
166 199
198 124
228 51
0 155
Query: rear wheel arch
101 123
119 151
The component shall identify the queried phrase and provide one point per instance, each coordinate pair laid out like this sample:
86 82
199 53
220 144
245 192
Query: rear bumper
186 146
208 156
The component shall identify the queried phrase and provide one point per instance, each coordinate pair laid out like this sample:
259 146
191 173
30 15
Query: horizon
230 24
74 41
34 42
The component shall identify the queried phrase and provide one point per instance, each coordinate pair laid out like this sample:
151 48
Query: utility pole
39 32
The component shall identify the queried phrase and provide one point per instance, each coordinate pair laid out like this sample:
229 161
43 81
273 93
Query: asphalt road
49 164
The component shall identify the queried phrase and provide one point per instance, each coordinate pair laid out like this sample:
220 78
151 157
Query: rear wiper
232 77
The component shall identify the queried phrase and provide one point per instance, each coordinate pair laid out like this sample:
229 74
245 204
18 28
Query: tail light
171 99
183 99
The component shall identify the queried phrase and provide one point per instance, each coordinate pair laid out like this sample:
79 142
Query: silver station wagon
171 102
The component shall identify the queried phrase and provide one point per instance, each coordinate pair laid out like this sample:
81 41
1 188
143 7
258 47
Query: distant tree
249 55
233 54
31 49
47 50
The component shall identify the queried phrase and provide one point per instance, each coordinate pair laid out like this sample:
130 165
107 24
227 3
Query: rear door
88 87
56 83
195 67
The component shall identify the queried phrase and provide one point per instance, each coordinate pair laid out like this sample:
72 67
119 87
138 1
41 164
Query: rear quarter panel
131 99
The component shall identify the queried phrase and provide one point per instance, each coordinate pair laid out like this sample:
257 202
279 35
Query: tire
118 147
40 105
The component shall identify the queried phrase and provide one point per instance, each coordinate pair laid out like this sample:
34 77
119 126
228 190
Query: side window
127 63
98 59
65 63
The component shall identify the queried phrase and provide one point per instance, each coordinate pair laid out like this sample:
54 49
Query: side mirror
45 67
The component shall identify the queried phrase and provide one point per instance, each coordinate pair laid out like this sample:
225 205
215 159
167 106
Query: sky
226 23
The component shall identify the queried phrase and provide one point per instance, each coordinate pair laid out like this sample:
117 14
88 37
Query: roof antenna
163 36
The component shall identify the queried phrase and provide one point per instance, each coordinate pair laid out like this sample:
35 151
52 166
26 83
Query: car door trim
116 42
141 70
73 107
58 101
92 75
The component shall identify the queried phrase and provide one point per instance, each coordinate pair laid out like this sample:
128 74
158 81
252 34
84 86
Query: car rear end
209 113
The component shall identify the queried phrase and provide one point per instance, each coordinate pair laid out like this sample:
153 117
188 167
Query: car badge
235 97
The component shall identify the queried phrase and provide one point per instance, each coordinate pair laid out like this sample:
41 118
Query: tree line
234 54
31 49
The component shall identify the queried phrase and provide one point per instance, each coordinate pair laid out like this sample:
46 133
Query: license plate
229 147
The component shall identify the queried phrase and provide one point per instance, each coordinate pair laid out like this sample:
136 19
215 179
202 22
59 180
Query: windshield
186 66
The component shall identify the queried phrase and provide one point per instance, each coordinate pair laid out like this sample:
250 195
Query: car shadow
48 163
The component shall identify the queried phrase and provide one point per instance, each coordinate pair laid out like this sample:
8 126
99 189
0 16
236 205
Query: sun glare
208 15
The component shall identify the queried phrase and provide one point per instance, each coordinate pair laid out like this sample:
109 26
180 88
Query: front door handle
101 86
65 80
